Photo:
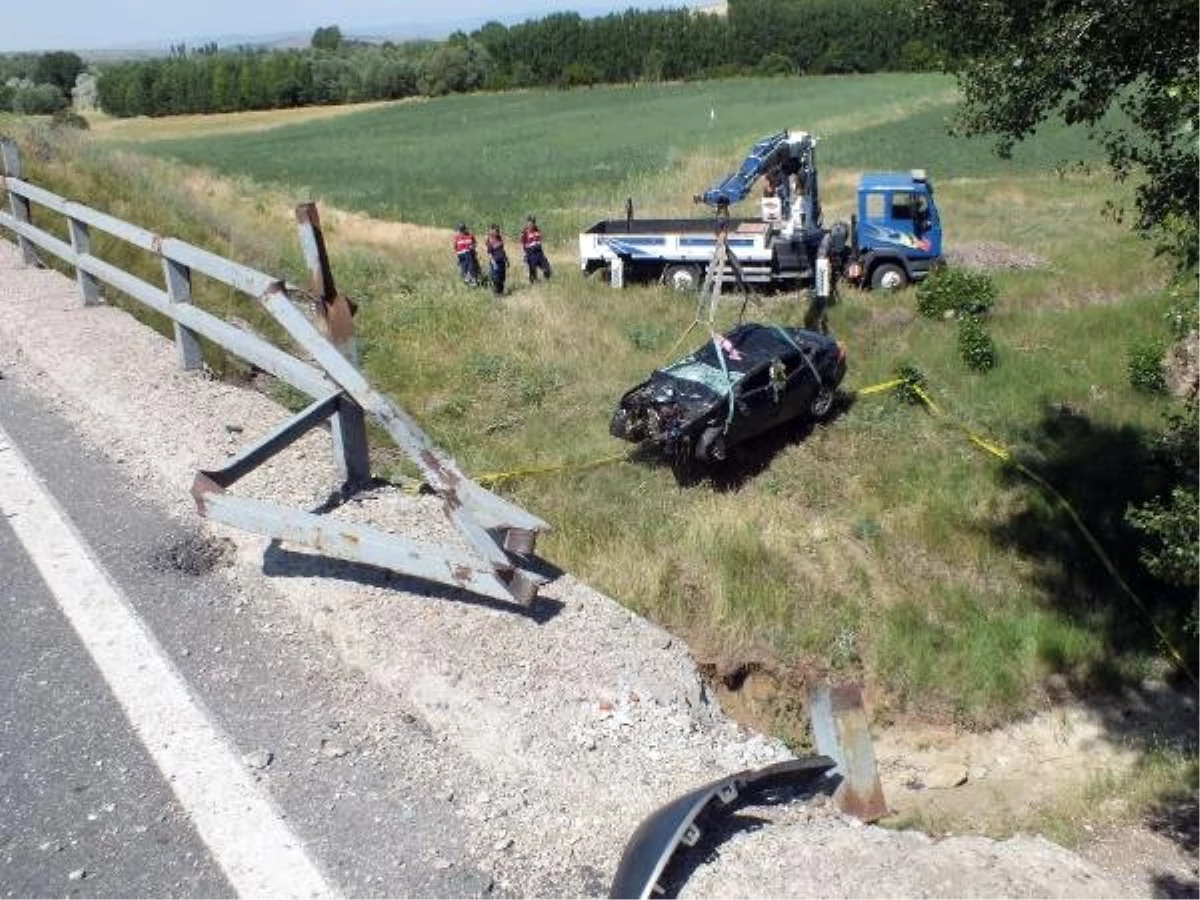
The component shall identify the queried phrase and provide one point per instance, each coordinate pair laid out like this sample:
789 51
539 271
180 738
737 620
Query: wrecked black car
733 388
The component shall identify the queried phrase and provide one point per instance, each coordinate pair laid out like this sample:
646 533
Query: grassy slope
882 544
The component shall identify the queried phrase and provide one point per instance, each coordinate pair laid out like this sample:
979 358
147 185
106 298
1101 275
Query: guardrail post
349 427
179 289
842 733
19 205
81 243
335 314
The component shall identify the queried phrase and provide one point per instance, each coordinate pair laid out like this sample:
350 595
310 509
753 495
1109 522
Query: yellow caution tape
494 478
928 401
1007 457
994 449
879 388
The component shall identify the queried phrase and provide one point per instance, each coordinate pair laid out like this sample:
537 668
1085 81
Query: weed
954 291
1146 372
975 345
644 336
912 383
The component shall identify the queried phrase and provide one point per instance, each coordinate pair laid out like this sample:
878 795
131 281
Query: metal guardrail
501 536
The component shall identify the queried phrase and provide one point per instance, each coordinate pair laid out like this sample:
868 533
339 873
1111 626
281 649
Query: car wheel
822 403
888 277
682 278
711 446
683 463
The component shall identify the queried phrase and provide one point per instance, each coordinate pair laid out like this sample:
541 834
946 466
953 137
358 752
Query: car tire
711 446
822 403
888 277
682 278
683 462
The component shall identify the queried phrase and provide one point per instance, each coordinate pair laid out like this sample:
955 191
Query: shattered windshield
703 374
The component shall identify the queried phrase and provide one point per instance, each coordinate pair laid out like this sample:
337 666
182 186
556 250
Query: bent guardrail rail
501 536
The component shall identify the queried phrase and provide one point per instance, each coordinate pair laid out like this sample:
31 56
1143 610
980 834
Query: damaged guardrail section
500 535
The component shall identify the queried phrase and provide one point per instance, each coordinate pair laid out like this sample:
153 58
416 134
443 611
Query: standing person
468 262
535 256
498 259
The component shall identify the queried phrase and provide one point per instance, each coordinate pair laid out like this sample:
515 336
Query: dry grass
143 128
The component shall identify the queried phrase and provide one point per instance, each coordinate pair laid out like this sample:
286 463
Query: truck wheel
682 278
888 277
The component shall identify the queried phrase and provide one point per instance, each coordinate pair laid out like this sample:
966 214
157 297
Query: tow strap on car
717 339
804 356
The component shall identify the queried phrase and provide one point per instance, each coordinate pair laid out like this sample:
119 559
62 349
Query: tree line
39 83
560 50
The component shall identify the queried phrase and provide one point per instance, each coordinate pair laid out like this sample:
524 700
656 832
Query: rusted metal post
81 243
841 730
335 316
18 204
335 312
179 289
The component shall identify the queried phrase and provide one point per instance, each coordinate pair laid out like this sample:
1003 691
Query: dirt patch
1182 367
192 554
991 256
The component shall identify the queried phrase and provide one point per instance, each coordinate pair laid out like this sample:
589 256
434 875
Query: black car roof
758 344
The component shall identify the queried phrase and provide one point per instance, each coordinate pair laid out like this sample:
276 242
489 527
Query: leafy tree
1170 549
454 67
60 69
37 99
18 66
1021 62
327 38
775 64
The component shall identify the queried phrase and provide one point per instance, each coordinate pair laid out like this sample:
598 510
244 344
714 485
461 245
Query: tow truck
894 238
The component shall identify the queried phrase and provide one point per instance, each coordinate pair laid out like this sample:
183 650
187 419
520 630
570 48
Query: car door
756 408
802 386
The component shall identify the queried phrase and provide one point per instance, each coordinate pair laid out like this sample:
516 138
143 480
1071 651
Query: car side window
755 381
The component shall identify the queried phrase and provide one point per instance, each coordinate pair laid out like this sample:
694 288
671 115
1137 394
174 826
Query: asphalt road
94 800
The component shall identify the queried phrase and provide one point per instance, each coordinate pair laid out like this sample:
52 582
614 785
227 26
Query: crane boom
788 162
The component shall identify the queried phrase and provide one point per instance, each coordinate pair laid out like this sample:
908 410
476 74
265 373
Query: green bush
37 99
1169 526
912 381
975 345
951 292
68 118
1146 371
773 64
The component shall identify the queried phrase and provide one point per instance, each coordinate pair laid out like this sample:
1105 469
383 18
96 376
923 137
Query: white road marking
258 852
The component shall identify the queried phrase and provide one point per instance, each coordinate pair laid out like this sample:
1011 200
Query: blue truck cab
896 235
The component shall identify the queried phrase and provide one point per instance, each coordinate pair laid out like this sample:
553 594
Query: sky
109 24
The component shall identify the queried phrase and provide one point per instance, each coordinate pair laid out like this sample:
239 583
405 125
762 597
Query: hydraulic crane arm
777 157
